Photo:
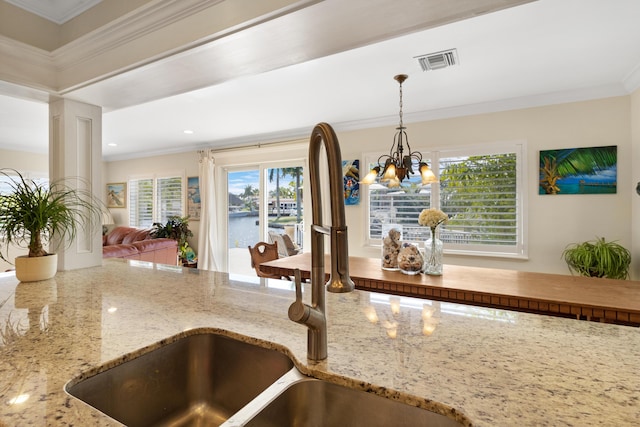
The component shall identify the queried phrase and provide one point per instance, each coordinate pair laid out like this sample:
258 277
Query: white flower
432 217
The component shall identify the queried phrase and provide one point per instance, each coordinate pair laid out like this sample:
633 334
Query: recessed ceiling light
112 144
188 131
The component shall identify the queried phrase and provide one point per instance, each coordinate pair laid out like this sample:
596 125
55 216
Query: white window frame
520 249
156 215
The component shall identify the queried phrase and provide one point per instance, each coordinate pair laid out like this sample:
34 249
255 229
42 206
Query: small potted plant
33 213
597 258
176 228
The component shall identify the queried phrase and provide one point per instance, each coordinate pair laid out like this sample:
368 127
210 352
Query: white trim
26 65
631 82
156 20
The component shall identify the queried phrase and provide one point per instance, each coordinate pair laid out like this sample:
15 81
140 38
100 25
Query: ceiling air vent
438 60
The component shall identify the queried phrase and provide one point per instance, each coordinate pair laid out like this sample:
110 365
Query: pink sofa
135 243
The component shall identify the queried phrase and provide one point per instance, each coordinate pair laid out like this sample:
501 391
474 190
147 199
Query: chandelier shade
395 167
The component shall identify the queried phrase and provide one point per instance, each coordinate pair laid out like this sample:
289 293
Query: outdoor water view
283 204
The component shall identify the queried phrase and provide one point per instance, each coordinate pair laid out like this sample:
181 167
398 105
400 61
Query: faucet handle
298 311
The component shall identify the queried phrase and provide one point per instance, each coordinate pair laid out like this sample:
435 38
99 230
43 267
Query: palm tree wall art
591 170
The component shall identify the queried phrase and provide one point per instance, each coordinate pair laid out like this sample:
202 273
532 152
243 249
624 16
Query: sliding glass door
285 207
243 188
264 204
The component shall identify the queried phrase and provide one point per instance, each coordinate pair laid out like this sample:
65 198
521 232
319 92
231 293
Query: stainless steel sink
208 379
316 403
198 380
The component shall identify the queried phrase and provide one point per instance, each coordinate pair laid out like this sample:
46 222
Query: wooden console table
607 300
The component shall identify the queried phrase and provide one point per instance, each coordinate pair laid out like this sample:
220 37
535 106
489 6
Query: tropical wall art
351 179
193 197
591 170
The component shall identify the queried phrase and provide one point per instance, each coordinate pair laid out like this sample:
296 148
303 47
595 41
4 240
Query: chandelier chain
401 125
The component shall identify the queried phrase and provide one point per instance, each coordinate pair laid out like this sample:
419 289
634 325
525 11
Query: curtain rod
248 147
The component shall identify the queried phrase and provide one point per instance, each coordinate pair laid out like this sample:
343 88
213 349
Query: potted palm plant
33 213
597 258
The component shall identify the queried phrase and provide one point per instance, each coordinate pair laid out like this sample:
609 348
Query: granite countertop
486 367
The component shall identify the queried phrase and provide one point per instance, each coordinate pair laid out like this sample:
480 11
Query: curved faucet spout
339 281
314 316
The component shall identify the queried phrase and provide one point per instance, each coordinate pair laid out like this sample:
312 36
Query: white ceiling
548 51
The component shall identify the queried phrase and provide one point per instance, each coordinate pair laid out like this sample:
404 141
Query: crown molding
145 20
25 65
122 45
123 31
23 92
632 81
519 103
151 33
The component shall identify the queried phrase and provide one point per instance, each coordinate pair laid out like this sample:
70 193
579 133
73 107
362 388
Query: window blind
169 197
141 202
479 193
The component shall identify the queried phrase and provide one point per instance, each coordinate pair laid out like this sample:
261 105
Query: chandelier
395 167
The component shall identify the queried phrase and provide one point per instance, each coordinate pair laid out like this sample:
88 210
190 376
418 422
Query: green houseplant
176 228
597 258
33 213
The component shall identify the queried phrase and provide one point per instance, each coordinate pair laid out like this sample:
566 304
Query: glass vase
391 241
433 255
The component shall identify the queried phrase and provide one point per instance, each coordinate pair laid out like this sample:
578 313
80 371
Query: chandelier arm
396 146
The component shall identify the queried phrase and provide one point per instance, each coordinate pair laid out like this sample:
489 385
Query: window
264 202
482 191
6 181
399 206
154 200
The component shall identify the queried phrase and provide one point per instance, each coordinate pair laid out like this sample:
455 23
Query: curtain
208 232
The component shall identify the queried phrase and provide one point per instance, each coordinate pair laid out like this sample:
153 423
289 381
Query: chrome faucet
313 316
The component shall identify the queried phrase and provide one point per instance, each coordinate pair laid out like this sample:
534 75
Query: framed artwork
117 195
351 181
193 197
591 170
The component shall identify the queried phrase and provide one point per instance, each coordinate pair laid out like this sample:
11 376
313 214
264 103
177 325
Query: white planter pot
36 268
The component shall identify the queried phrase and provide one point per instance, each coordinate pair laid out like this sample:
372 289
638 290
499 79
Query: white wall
553 221
25 162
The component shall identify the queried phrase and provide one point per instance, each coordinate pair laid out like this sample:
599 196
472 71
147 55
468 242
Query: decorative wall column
75 151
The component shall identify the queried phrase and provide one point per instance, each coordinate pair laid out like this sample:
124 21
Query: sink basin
197 380
316 403
209 379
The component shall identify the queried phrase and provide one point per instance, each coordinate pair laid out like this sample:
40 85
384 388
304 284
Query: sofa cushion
117 235
136 236
118 251
155 244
